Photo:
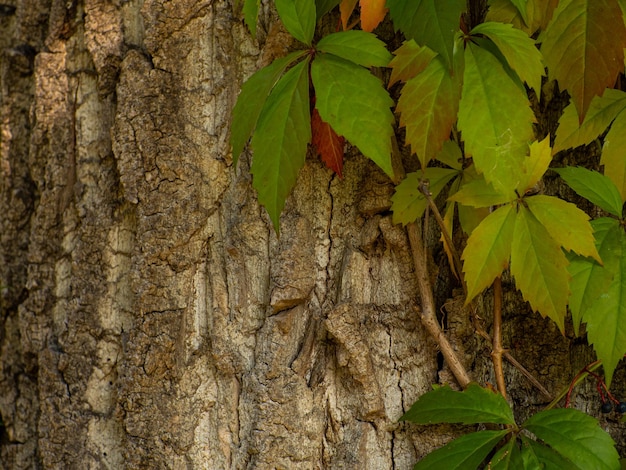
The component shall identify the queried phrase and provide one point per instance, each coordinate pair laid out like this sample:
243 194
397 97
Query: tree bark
151 318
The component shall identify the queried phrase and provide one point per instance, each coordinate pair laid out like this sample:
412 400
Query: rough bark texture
150 317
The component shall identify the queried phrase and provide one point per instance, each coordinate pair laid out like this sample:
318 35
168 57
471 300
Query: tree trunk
151 318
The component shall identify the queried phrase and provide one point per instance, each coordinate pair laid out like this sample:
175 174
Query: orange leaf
372 13
346 7
327 143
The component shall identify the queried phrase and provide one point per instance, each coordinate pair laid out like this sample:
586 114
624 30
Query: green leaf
576 436
356 46
535 165
299 18
606 317
473 405
250 102
594 186
324 6
495 119
356 106
488 250
428 108
409 60
602 110
431 23
408 203
508 457
479 193
614 154
450 155
537 455
281 139
250 14
583 48
539 267
565 223
518 49
465 452
590 279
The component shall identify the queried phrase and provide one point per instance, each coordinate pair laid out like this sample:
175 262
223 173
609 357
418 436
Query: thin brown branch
428 310
514 362
424 189
497 350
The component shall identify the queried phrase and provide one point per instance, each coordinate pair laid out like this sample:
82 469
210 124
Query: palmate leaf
539 267
346 7
536 455
495 119
356 46
428 108
280 141
583 47
614 153
488 250
473 405
590 279
565 223
299 18
356 105
602 110
465 452
518 49
328 144
576 436
410 59
431 23
250 102
593 186
606 317
408 203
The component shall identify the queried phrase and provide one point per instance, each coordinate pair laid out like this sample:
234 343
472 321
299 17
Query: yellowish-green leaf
450 155
590 279
539 267
614 154
410 59
606 317
281 139
602 110
408 202
593 186
479 193
428 108
495 119
518 49
583 47
535 165
538 14
448 226
566 224
488 250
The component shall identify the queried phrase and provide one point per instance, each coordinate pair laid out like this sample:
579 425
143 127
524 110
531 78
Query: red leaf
327 143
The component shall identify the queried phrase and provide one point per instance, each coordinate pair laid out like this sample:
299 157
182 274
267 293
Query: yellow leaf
346 7
535 165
